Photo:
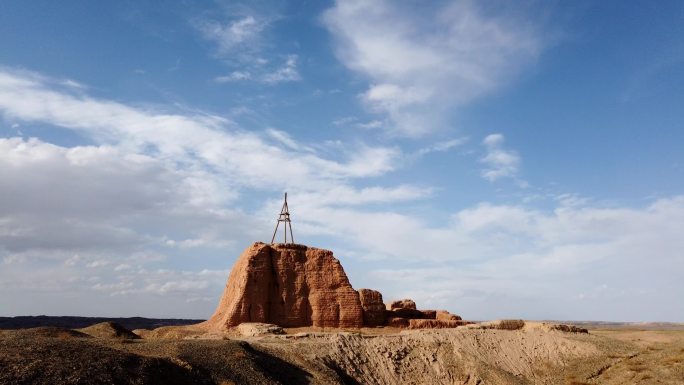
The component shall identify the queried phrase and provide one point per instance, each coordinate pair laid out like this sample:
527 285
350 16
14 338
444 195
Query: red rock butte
294 285
288 285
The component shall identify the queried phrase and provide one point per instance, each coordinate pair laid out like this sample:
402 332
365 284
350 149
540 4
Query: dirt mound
254 329
288 285
170 332
435 324
110 330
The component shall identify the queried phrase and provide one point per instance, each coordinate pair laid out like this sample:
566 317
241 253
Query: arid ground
534 354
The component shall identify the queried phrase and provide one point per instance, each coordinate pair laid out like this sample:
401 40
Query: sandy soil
532 355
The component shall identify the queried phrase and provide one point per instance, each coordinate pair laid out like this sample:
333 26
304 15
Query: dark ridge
68 322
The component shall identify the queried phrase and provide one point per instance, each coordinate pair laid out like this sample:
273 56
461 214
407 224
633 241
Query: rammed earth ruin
293 285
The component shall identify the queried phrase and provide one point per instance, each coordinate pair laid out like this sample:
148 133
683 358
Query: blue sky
494 160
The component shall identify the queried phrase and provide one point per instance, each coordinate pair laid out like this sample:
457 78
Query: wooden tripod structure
284 217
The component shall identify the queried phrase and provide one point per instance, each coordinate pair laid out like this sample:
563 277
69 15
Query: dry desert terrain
533 354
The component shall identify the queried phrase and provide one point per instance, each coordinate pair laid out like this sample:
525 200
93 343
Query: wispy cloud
499 161
285 139
354 122
373 124
442 146
242 33
286 73
239 41
233 77
419 66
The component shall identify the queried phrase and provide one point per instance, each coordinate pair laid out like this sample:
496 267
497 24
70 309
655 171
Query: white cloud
500 162
240 43
122 267
180 170
370 125
98 263
286 73
442 146
353 121
186 285
422 64
493 261
390 97
73 260
344 121
285 139
196 140
96 197
233 77
235 34
347 196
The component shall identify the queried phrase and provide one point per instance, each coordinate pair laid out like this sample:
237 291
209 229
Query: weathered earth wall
288 285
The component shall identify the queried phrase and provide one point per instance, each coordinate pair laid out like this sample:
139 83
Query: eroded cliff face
288 285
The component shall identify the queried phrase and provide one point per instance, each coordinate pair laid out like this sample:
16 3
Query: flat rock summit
293 285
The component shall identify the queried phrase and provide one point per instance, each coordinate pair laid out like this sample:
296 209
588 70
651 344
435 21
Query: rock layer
288 285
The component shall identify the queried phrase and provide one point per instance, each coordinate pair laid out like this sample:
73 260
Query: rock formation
402 304
288 285
444 315
255 329
409 313
373 307
293 285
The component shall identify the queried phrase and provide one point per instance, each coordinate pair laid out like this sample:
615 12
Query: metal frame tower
284 217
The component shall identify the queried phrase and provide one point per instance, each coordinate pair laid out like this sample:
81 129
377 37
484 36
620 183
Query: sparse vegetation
506 324
511 324
569 328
